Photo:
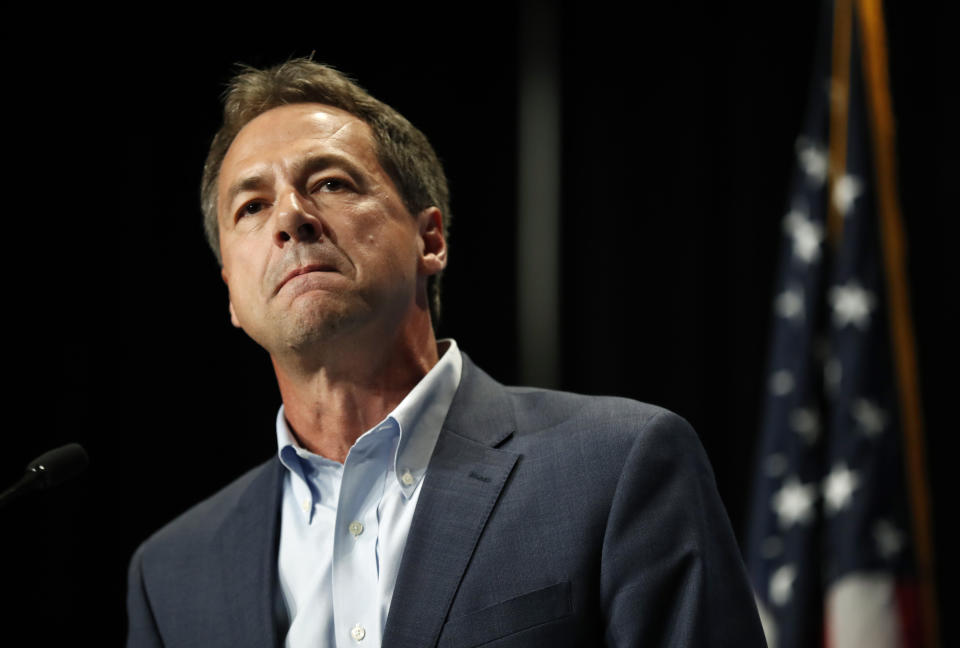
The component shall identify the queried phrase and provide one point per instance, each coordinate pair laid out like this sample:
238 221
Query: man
414 500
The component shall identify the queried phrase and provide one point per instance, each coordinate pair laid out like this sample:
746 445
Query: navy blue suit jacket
546 519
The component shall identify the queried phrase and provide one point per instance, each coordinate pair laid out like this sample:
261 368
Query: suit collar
481 410
464 480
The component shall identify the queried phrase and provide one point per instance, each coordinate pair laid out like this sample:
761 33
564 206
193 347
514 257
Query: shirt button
306 505
358 633
356 528
406 478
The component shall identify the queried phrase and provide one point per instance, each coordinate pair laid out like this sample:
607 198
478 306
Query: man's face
314 236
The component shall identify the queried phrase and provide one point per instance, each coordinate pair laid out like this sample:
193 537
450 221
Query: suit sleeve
671 572
142 629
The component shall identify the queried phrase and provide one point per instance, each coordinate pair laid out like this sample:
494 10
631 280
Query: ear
432 242
233 313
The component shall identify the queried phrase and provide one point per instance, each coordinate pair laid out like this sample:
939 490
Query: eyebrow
248 183
301 168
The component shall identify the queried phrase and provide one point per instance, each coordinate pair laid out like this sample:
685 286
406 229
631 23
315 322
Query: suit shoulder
539 409
197 524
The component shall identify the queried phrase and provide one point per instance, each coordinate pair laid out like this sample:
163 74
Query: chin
314 327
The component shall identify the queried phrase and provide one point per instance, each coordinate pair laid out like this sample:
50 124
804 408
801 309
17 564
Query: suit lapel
248 540
464 479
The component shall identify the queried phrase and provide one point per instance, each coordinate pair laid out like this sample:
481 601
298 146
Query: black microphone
48 470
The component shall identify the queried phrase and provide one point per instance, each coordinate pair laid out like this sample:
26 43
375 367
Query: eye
330 184
250 208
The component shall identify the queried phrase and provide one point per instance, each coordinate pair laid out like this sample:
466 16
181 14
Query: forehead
295 128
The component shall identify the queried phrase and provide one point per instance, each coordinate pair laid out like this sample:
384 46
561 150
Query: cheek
364 219
380 233
387 258
245 268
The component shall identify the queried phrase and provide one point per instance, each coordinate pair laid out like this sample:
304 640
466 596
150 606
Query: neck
330 403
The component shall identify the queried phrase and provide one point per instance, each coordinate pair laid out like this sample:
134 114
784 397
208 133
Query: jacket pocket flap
507 617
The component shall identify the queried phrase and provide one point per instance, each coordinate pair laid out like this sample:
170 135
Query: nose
295 223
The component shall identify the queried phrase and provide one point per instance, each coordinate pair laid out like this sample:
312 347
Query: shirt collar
419 417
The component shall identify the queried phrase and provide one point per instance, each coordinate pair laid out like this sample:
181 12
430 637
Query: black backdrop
678 128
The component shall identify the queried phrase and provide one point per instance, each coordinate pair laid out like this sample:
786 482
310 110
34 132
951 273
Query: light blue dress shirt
343 526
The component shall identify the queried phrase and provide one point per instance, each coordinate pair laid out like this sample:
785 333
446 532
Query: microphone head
60 464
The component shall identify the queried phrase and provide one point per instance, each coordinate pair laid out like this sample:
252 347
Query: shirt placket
355 566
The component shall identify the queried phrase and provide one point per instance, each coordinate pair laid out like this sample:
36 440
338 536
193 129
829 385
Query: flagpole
871 20
839 93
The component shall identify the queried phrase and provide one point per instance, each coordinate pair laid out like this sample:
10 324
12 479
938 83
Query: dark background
678 127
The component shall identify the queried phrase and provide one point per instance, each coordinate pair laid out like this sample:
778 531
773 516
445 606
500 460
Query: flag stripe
862 611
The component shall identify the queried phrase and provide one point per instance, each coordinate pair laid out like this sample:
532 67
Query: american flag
832 548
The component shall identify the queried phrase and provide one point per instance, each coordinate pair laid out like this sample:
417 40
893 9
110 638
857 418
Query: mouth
302 270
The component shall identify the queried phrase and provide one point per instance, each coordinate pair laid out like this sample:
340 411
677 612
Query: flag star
851 305
813 159
781 382
806 235
781 584
871 420
890 540
838 488
846 189
789 303
793 503
805 421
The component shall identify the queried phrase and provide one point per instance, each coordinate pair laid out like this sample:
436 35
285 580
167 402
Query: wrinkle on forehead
326 123
336 133
322 116
290 134
303 122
